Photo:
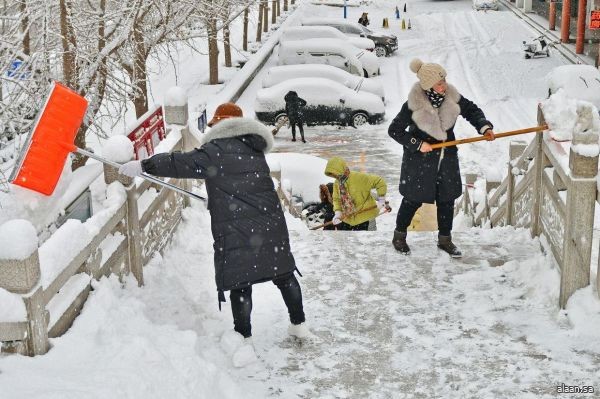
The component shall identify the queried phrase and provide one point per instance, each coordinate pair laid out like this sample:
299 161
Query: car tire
359 119
279 117
365 73
381 51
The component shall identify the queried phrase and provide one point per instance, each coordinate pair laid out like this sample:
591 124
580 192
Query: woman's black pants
445 215
241 303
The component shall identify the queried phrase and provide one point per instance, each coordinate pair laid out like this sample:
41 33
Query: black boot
445 243
399 242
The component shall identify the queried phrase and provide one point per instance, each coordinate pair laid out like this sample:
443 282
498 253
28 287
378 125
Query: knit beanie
428 74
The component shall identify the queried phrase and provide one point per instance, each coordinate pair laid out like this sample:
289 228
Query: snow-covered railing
47 286
551 190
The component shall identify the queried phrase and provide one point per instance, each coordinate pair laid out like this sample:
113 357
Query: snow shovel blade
42 158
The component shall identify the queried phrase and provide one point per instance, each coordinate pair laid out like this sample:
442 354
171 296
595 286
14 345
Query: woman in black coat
251 240
427 175
293 109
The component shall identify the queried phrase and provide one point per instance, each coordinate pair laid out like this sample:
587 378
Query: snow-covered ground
386 326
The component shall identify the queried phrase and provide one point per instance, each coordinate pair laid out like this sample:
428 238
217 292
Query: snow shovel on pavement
45 152
498 135
386 209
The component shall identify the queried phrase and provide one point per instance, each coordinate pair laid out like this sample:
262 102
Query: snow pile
578 81
121 352
175 97
19 240
39 209
301 173
567 116
118 149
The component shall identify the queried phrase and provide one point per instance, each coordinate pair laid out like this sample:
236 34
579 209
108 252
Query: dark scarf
436 99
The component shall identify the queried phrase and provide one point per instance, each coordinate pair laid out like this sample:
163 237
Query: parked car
278 74
384 44
334 52
579 81
485 5
328 102
315 32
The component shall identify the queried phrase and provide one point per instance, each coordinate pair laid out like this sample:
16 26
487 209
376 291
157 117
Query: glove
374 194
381 202
337 219
131 168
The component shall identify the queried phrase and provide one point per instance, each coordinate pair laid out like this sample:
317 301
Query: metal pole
565 24
581 12
143 175
345 6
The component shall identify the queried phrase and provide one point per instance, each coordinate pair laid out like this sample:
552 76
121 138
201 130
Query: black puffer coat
424 178
250 234
293 107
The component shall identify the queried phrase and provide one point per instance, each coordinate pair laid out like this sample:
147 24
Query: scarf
436 99
346 200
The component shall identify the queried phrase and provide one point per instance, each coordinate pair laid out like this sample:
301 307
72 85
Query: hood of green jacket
335 167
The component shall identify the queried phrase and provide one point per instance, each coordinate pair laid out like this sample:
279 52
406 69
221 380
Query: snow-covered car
327 103
315 32
579 81
485 4
278 74
385 44
335 52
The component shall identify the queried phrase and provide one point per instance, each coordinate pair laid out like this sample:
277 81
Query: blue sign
14 71
202 121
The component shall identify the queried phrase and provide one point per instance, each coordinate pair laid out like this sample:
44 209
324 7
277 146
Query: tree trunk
226 46
278 8
285 5
68 47
259 24
213 52
24 27
274 12
265 16
245 43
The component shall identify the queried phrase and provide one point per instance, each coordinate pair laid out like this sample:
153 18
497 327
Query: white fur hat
428 74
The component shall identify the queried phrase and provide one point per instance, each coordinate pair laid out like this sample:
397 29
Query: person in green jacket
357 197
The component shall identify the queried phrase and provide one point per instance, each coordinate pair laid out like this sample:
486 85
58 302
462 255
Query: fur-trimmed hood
434 121
235 127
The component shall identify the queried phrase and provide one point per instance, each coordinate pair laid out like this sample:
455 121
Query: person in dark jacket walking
251 240
293 109
427 175
364 19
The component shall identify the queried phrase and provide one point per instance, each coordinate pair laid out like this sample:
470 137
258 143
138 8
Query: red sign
148 134
595 20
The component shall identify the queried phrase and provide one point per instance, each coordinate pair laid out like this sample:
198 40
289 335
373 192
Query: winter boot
399 242
445 243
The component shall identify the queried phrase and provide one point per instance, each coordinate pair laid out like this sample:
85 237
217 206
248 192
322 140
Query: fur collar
434 121
235 127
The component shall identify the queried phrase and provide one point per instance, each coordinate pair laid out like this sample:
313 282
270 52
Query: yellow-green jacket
359 186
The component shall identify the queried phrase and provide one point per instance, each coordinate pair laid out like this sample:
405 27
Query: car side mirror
345 63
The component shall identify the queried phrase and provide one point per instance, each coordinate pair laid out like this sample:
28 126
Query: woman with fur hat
251 240
427 175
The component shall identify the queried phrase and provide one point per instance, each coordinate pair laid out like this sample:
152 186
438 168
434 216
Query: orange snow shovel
45 152
386 209
498 135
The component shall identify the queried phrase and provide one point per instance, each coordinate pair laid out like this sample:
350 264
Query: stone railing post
177 113
581 201
538 166
515 150
20 274
134 235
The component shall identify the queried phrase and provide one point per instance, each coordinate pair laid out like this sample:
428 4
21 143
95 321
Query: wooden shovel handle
498 135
